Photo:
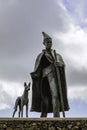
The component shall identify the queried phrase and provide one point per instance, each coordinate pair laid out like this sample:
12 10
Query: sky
21 25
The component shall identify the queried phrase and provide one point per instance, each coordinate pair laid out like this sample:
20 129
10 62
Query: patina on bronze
49 89
22 100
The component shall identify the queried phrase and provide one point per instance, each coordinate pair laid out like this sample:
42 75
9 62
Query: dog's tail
17 103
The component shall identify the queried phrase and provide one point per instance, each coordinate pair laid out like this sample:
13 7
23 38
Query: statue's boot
43 114
56 106
44 107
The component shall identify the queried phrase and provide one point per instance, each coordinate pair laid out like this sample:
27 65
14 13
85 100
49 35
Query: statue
49 89
22 100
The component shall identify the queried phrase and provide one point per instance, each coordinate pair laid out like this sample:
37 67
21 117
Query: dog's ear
29 84
25 84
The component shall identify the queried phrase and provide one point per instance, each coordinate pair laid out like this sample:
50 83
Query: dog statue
22 100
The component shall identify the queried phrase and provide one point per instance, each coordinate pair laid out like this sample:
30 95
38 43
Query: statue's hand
35 75
58 64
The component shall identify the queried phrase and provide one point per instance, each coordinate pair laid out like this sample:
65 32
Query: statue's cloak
38 91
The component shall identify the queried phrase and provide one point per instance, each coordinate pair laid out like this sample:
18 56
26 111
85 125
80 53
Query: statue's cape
36 85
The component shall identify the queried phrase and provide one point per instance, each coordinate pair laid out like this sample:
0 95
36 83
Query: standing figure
49 90
22 100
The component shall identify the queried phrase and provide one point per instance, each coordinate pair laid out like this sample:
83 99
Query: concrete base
43 123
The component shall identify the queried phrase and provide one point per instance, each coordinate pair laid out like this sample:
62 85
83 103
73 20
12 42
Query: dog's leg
21 108
14 112
22 111
26 110
19 114
15 107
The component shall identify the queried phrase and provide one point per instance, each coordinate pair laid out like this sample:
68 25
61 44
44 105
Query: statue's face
48 44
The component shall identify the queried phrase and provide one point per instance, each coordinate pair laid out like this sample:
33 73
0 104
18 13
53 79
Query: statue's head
47 40
27 87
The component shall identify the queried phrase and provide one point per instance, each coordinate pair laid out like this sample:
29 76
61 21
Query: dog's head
27 87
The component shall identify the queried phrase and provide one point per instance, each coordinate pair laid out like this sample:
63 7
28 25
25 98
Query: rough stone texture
43 123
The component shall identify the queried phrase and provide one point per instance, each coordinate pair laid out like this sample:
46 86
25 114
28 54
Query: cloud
20 34
4 106
8 92
78 94
77 11
76 77
73 43
21 41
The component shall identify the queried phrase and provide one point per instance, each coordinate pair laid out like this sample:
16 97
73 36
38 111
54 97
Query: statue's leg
14 113
15 107
44 103
55 102
21 108
44 107
22 112
27 110
19 114
54 93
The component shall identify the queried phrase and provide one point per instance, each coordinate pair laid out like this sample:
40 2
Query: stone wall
43 123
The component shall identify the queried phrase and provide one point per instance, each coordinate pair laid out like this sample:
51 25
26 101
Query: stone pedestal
43 123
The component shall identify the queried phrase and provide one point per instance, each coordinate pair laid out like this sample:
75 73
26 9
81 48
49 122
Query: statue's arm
37 68
60 61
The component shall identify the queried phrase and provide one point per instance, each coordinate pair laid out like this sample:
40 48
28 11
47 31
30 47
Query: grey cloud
77 77
21 24
5 97
21 39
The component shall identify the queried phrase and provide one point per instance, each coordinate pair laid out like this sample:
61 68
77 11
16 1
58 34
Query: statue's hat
46 36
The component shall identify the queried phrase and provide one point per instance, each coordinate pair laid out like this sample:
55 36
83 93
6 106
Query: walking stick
59 83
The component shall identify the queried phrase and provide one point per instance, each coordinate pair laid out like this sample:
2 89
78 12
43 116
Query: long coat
37 89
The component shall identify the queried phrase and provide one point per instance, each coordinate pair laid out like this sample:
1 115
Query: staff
59 82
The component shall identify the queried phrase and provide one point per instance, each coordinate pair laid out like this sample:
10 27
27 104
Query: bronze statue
22 100
49 90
